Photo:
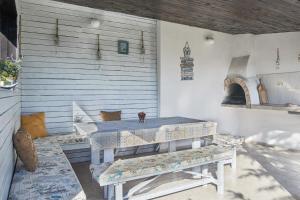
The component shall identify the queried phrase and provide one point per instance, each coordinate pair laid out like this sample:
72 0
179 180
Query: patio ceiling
230 16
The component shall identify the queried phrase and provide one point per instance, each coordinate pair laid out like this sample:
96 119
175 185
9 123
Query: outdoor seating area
138 100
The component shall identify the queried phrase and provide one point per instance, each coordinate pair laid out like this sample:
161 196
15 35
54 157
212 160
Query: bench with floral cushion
54 177
122 171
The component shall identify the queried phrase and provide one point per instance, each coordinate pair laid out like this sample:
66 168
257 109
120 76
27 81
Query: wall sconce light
209 39
95 23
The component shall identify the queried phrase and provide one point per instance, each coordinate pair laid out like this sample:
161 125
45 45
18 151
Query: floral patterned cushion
53 179
228 139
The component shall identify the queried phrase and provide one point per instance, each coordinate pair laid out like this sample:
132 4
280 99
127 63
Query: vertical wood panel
10 109
67 79
9 123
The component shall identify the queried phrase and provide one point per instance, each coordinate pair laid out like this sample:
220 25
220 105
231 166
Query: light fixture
209 39
95 23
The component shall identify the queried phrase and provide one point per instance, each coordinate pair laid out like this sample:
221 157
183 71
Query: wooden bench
122 171
53 179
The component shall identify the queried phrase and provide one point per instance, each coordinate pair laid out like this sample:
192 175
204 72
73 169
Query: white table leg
204 168
220 177
119 192
95 154
196 144
108 157
172 146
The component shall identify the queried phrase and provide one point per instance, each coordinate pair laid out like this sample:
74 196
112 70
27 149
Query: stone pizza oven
239 88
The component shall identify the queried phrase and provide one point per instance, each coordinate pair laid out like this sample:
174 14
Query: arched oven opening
235 95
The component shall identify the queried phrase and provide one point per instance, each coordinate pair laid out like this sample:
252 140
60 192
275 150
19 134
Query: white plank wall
10 109
54 77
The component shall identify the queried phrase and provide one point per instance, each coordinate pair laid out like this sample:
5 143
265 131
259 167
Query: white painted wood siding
10 109
55 77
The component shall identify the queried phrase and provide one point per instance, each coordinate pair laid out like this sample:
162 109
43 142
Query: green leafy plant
9 69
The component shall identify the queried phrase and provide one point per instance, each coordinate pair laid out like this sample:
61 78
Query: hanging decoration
123 47
20 38
278 59
187 64
98 47
143 51
56 39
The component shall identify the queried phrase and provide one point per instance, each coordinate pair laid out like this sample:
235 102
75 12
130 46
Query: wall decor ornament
56 38
187 64
20 56
278 59
143 51
123 47
98 47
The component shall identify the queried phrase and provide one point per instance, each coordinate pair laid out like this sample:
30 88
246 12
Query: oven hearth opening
235 95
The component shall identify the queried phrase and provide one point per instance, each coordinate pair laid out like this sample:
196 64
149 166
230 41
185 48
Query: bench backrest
141 167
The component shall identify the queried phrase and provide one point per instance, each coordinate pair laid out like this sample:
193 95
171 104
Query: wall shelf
9 87
279 107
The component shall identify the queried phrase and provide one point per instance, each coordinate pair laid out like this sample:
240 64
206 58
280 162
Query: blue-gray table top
128 133
122 125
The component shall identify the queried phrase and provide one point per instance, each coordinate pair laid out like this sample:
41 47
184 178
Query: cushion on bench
53 179
135 168
228 139
72 138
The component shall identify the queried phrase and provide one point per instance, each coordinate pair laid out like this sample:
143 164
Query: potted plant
9 71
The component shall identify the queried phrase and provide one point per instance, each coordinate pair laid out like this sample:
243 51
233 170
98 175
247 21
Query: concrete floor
263 173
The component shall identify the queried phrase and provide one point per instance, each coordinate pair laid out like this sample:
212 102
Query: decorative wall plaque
187 64
123 47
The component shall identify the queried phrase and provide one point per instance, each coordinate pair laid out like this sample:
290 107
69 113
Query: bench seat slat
53 179
134 168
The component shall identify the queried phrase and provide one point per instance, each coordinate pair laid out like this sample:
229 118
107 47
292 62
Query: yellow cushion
34 124
111 116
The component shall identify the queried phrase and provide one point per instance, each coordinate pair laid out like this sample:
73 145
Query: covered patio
149 100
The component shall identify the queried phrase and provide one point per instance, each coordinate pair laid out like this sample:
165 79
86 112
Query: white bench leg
108 157
220 178
233 164
196 144
119 192
95 153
